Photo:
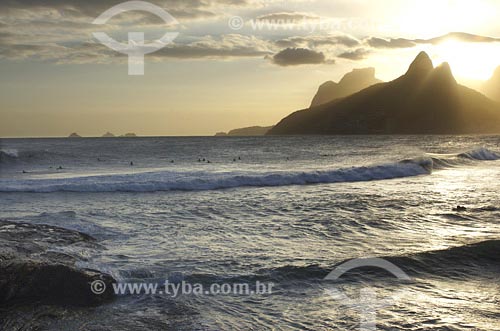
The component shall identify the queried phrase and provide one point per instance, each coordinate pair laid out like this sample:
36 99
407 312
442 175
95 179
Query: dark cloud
92 8
355 55
390 43
298 56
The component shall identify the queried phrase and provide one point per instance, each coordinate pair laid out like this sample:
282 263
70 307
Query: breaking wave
481 154
193 181
203 180
8 155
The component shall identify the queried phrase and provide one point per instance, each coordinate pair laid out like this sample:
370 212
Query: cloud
298 56
459 36
61 31
317 41
408 43
91 8
288 17
208 47
227 46
390 43
355 55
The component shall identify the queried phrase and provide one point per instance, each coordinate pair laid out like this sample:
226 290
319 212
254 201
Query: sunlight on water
287 212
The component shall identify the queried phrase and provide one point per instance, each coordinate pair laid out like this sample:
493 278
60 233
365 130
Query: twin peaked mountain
426 100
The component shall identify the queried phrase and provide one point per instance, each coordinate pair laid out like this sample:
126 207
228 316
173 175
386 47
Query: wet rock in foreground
35 266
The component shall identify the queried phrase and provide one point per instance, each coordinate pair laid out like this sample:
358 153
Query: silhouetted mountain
492 87
74 135
108 135
250 131
426 100
352 82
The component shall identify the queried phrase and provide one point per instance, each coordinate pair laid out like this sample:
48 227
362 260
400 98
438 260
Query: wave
69 220
198 181
481 154
8 155
462 262
193 181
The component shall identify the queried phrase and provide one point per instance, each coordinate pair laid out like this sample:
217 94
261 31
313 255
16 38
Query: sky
233 63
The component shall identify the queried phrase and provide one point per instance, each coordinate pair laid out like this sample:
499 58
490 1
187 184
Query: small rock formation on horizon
108 135
352 82
492 87
247 132
74 135
426 100
129 135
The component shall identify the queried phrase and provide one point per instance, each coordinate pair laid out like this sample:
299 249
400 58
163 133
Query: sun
476 61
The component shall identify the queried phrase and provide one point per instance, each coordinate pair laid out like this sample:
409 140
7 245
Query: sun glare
429 17
469 61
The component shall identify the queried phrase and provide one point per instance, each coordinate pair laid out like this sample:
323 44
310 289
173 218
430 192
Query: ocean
275 210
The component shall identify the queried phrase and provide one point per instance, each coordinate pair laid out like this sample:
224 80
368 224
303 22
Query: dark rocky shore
38 265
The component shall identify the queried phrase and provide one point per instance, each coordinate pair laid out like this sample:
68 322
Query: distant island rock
352 82
108 135
426 100
129 135
492 87
74 135
247 132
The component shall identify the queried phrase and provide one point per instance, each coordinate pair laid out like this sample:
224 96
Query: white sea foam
9 153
